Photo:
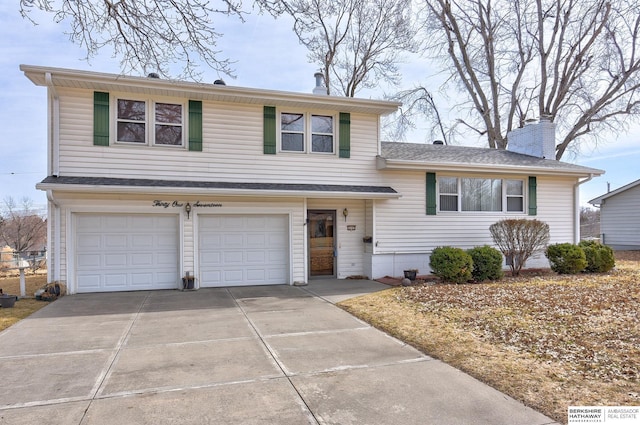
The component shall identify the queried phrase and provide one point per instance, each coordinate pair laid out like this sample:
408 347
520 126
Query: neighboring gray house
619 219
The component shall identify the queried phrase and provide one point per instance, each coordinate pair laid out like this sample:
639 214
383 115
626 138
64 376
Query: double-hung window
132 121
301 132
148 122
292 131
480 194
321 133
515 195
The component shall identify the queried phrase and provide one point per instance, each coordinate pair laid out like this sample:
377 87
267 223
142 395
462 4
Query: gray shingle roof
465 156
293 187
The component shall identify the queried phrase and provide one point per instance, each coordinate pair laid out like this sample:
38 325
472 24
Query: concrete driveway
246 355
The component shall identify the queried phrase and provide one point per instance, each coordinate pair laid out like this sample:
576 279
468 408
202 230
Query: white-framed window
515 195
131 121
141 121
448 188
306 132
168 129
473 194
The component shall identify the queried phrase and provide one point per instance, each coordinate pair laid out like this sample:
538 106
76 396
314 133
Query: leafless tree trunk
147 35
20 227
576 62
357 43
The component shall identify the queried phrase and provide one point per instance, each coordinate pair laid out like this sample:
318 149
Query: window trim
504 196
150 120
307 132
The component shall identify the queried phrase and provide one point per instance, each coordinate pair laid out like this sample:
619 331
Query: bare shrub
518 239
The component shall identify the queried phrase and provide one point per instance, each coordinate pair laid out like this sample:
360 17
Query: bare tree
20 227
147 35
576 62
417 104
589 223
356 43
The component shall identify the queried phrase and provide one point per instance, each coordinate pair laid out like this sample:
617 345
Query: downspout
576 208
54 128
53 240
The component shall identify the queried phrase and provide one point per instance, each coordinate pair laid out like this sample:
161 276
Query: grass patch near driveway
549 340
24 306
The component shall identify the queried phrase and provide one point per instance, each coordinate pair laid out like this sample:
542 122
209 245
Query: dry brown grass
24 306
550 341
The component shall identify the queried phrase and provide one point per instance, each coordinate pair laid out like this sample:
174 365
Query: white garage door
238 250
119 252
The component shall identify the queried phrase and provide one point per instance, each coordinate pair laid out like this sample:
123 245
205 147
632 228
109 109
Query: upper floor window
147 122
480 194
306 133
132 121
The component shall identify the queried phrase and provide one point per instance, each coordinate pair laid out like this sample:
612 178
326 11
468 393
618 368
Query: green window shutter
100 118
345 135
269 130
195 125
533 196
431 193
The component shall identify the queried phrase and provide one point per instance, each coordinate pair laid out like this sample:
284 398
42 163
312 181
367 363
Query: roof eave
599 199
164 190
402 164
199 91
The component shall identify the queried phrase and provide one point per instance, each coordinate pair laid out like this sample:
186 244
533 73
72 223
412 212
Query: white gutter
53 241
54 129
576 208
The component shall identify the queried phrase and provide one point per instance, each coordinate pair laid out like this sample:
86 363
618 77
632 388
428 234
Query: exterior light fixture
187 209
345 213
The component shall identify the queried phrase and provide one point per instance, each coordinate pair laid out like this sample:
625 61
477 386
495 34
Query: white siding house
619 219
150 180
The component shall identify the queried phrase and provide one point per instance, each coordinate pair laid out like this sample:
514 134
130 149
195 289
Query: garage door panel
211 258
256 275
234 223
142 279
237 250
257 240
120 252
277 257
89 241
114 222
115 260
115 241
115 280
233 275
276 274
256 257
90 260
233 257
142 241
211 276
90 281
142 259
233 240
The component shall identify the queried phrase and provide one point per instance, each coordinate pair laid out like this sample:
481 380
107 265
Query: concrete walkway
246 355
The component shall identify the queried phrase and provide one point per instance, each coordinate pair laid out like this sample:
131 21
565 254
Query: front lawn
550 341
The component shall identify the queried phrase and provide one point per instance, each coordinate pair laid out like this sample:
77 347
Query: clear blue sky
267 56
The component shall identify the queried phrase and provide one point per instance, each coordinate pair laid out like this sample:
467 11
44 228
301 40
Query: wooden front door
321 227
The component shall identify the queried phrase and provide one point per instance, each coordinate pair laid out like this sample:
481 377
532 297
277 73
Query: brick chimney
535 139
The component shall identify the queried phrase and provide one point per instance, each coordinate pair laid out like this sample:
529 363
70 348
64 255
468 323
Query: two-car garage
129 252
